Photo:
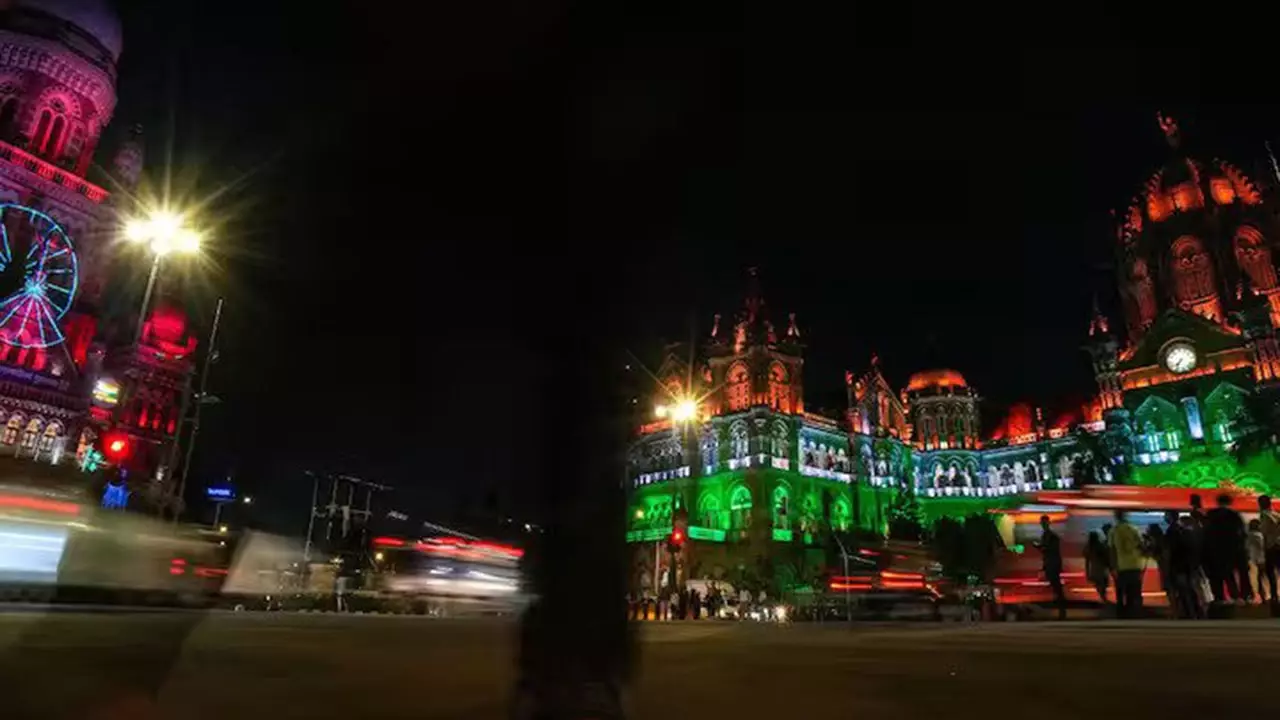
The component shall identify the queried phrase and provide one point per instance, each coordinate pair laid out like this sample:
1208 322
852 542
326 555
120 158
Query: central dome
95 17
942 378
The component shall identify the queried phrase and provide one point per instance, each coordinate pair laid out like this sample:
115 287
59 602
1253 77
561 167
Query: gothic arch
739 440
1254 258
738 386
1193 279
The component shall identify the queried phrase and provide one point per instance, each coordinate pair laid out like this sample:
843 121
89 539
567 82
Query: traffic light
115 448
675 543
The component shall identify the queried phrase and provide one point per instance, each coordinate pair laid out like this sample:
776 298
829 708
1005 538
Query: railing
661 475
51 172
812 471
781 463
938 492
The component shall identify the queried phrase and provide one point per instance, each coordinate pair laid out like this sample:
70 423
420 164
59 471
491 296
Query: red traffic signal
115 447
675 543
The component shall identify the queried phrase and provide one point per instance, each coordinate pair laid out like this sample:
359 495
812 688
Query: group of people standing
1203 558
686 604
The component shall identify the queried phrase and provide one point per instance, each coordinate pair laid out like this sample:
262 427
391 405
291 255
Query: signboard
220 493
106 392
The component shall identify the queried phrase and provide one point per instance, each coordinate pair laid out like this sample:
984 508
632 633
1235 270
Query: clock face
1180 358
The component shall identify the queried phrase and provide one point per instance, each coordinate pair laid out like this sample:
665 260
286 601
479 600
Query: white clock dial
1180 358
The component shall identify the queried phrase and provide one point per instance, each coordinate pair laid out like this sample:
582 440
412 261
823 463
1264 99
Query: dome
936 379
95 17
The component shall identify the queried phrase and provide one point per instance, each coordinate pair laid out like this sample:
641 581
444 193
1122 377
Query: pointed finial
1098 323
1275 168
792 330
715 326
1170 128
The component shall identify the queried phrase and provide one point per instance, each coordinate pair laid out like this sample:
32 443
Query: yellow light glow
639 514
165 224
137 230
684 411
222 529
378 556
187 241
660 411
161 245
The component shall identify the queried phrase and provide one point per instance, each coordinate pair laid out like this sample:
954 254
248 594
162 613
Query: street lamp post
682 414
163 232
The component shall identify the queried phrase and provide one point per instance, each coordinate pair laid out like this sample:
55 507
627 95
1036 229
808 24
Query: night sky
937 207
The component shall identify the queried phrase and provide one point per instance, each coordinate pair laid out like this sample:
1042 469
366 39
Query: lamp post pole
146 298
210 354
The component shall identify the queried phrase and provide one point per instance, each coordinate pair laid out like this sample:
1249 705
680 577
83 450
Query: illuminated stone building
67 375
1194 364
1200 302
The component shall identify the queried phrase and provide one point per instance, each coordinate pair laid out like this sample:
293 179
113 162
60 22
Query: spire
1098 324
1275 168
792 330
1170 128
755 303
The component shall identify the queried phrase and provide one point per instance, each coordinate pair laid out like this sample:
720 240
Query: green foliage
906 519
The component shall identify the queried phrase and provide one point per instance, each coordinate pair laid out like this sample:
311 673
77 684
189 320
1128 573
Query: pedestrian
1255 549
340 592
1269 526
1126 547
744 603
1050 546
695 604
1179 568
764 605
673 605
1224 555
1153 546
1097 564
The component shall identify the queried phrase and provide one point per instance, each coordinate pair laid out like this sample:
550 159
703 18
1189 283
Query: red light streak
388 542
29 503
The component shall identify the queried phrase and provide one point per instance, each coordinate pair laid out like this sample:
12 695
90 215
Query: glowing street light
222 529
684 411
248 500
164 233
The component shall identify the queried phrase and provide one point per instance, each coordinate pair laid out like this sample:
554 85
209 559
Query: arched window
54 144
781 507
1141 294
739 441
42 130
710 448
779 389
709 512
840 515
51 434
32 433
778 440
1254 258
1192 270
12 428
8 116
740 507
738 387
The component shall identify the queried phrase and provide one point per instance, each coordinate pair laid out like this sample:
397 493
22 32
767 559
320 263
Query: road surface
222 666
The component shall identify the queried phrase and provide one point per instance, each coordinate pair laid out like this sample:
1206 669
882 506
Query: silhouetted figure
1126 550
1269 526
1097 564
1179 563
1050 546
1255 549
1224 556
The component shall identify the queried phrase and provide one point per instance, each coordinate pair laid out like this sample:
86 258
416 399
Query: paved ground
243 666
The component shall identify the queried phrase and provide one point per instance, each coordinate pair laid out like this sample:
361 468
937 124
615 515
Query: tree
1254 427
906 519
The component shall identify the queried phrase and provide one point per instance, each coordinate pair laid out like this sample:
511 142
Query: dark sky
938 206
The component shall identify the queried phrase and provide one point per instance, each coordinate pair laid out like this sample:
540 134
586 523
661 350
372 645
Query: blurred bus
1073 514
451 567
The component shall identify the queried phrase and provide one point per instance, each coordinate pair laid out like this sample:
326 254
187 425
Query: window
51 435
1193 273
739 442
8 115
32 433
709 512
778 439
1254 258
840 515
781 507
740 507
12 429
779 390
50 131
738 387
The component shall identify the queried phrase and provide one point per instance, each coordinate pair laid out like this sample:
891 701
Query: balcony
47 170
661 475
837 475
981 492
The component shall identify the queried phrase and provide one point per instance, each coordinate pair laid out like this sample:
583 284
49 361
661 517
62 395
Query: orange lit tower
1200 297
